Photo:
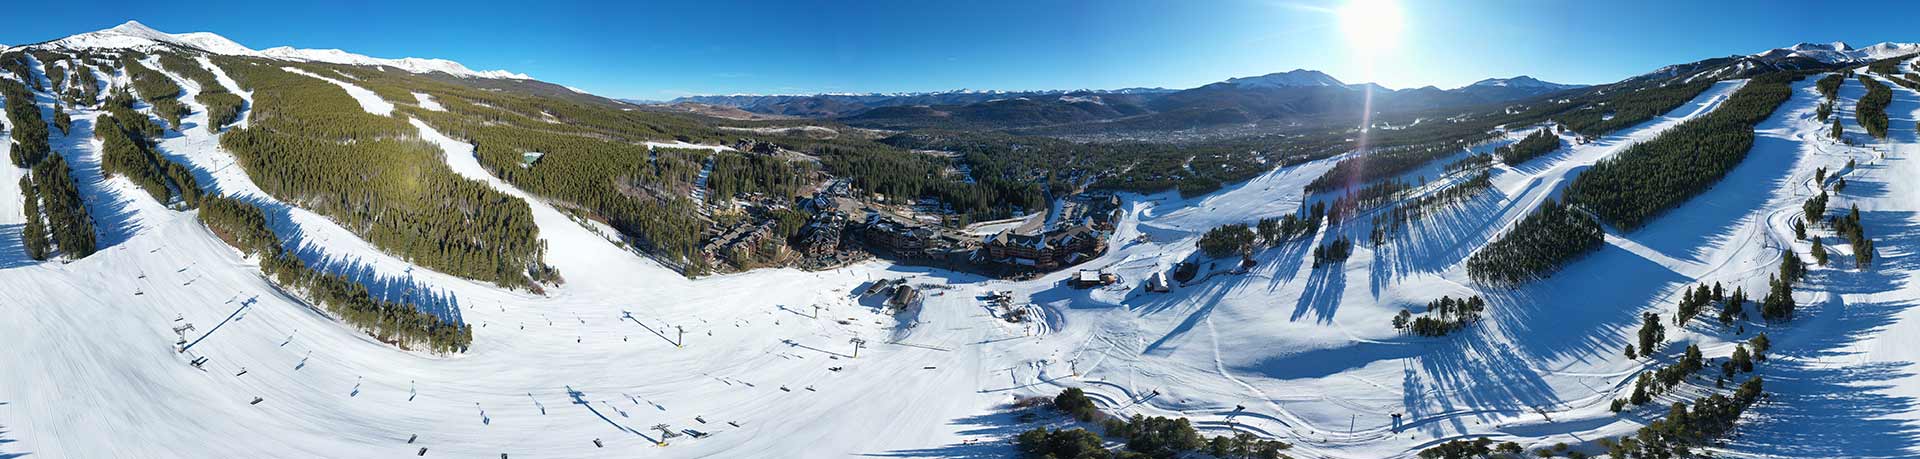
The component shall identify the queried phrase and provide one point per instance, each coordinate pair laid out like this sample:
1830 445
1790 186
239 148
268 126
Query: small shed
1158 283
527 159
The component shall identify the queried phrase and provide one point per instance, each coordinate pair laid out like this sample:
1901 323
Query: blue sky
664 49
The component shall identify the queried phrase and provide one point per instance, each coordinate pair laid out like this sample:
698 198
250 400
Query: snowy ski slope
748 362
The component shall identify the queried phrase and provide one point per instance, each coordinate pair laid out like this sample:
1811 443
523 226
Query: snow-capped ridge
1295 78
1839 52
1522 81
133 35
410 64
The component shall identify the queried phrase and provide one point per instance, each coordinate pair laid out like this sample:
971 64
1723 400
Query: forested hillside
1654 176
54 211
223 107
311 144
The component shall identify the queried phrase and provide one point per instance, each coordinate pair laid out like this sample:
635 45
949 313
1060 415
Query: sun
1372 26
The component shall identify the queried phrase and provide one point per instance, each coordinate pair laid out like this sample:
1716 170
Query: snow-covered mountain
1523 81
1839 52
1295 78
133 34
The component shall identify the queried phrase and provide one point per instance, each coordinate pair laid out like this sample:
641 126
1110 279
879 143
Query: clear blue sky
663 49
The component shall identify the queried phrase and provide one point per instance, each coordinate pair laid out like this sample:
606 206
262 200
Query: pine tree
1819 252
1760 345
1741 359
1791 267
1651 332
1640 396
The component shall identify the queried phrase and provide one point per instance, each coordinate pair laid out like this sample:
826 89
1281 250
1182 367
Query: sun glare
1372 26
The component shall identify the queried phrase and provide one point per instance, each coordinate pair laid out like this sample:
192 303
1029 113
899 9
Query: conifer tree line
1540 244
1371 166
29 130
1687 428
1733 307
1652 177
1142 437
157 90
67 218
1778 304
313 146
51 182
127 140
1386 224
1830 85
1849 227
1006 162
245 228
1871 110
1538 143
1225 240
1443 316
223 107
1631 107
16 62
1333 252
1888 66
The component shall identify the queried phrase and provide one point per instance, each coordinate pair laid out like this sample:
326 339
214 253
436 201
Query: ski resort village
213 250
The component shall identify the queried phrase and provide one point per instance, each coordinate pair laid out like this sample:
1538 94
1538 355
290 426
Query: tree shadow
13 249
1816 409
1000 423
112 213
1579 311
1325 286
403 289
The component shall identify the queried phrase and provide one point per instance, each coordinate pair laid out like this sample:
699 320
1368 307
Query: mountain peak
133 34
1521 81
135 28
1294 78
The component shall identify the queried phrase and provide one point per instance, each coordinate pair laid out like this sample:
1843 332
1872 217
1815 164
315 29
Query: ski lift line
203 337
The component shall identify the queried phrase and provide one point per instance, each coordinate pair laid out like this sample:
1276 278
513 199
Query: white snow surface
426 101
1308 352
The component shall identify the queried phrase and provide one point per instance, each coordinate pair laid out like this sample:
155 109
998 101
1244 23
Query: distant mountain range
1838 52
1298 92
